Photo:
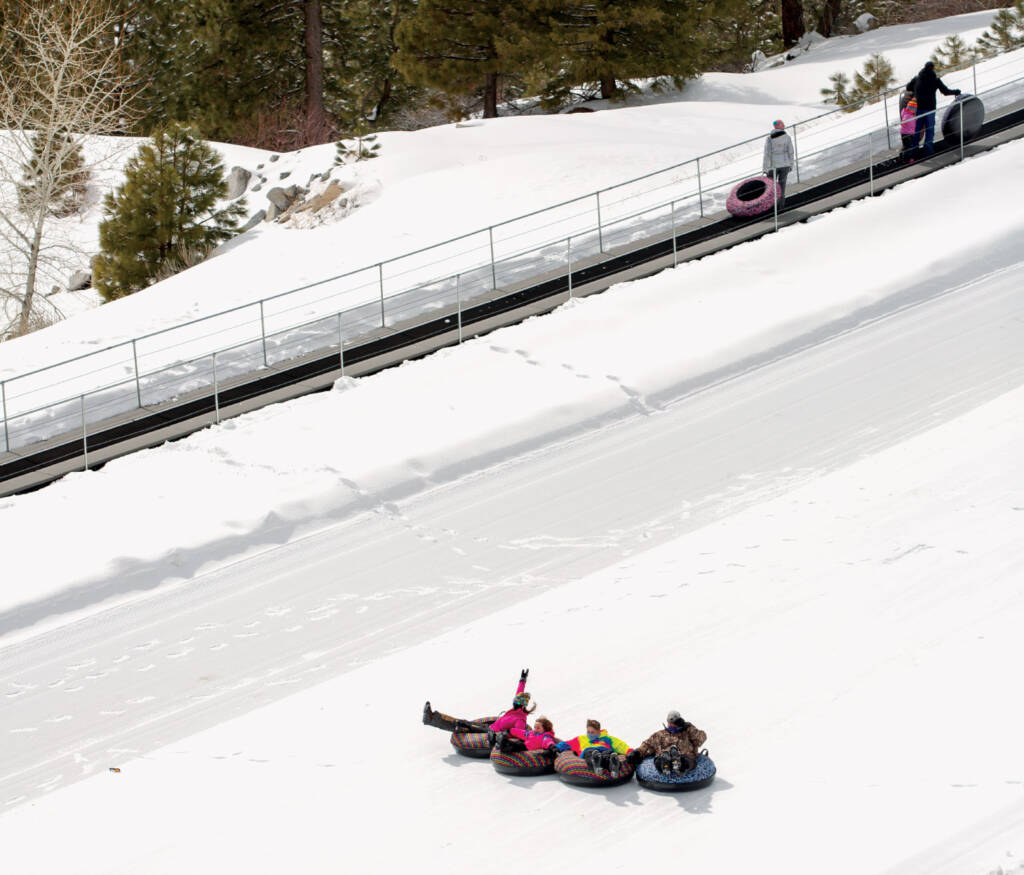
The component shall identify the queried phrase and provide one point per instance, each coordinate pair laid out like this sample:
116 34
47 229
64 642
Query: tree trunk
608 87
491 96
25 317
829 14
317 127
792 22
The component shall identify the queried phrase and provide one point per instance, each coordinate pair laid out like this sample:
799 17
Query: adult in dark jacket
926 83
674 748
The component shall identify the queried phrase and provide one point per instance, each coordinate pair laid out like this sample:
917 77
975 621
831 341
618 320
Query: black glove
634 758
957 92
523 674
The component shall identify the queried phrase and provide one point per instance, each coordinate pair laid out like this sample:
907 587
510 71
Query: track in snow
136 677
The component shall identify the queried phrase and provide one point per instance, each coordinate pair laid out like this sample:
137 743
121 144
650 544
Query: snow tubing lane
752 197
473 744
967 110
574 770
699 776
522 763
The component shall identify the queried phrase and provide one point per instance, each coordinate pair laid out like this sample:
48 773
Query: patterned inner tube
752 197
522 762
473 744
574 770
699 776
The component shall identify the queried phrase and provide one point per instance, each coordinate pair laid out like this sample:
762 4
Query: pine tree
838 91
359 149
166 205
1005 33
55 177
365 90
953 52
612 42
455 46
876 77
792 15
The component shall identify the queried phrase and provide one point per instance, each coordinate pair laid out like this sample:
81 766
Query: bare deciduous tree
60 86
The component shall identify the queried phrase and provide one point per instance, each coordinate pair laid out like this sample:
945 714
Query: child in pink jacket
518 716
908 131
541 737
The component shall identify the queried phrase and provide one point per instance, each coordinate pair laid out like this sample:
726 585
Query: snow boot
427 714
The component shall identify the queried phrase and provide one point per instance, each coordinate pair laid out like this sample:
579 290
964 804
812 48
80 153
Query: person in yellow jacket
602 752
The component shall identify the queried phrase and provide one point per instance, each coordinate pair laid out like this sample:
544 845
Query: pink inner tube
753 196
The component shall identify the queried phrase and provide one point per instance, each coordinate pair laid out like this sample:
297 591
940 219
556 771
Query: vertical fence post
380 274
675 253
974 68
888 133
85 438
961 132
600 234
3 397
138 385
216 389
568 244
871 164
796 153
458 301
775 195
494 272
341 346
700 190
263 335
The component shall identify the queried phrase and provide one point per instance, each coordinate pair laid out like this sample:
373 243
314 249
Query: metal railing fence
204 353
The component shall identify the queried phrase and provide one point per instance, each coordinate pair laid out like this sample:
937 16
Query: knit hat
521 700
674 719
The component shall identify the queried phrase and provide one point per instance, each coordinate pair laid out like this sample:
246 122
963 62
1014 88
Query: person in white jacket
778 156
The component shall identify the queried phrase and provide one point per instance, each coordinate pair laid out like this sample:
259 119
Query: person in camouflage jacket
684 737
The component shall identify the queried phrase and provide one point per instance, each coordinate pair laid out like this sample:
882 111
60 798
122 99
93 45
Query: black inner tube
751 190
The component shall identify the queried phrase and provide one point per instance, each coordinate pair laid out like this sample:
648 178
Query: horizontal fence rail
68 397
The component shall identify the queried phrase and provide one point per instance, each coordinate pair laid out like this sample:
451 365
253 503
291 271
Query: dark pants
452 724
926 123
780 174
909 145
597 757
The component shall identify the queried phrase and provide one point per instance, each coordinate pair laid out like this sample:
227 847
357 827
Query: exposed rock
272 212
273 158
319 201
258 186
238 181
866 22
254 221
285 174
281 197
260 166
579 109
758 61
80 279
293 191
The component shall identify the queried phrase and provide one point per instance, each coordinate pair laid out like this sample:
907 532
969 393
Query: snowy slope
434 184
282 470
848 648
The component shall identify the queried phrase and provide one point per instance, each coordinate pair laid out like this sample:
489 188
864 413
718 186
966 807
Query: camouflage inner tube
699 776
473 744
522 763
574 770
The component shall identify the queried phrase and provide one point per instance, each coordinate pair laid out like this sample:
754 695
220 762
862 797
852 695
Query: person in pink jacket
908 131
541 737
517 717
